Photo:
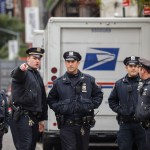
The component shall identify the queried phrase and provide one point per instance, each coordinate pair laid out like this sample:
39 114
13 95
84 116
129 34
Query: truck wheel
51 142
46 146
50 147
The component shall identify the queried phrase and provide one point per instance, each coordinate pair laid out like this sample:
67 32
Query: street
8 143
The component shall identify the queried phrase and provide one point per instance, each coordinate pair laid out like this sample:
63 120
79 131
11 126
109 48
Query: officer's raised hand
24 67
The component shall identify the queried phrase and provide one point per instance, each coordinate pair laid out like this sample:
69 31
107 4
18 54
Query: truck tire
51 147
51 142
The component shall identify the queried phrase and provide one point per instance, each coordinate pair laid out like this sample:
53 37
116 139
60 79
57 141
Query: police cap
37 51
132 60
144 63
71 55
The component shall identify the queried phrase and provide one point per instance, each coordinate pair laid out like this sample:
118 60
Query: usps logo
101 59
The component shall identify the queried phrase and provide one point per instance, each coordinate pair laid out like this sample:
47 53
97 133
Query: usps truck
103 44
38 41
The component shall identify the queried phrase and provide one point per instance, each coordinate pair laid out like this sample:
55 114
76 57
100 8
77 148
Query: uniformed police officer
4 116
123 100
143 112
73 97
14 133
29 99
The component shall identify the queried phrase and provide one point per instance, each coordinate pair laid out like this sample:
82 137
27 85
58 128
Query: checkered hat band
33 53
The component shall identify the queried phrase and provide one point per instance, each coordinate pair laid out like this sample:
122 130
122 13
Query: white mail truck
103 44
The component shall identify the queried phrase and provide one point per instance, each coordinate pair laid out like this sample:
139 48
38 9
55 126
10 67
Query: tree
9 24
141 4
48 3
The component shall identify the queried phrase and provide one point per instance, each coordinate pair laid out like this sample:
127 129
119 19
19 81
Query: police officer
73 98
4 116
14 133
143 112
29 99
123 101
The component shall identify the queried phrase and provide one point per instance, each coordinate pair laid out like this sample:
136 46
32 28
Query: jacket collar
125 79
66 79
147 81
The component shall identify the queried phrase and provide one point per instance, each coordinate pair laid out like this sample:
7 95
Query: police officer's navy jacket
70 97
143 108
4 114
28 91
124 96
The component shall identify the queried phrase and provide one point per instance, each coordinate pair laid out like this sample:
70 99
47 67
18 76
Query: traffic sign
125 3
146 9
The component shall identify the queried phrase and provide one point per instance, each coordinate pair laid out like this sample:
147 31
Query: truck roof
95 19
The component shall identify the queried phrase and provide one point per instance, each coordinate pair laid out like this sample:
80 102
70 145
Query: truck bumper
97 139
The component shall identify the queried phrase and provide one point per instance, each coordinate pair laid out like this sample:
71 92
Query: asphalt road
8 143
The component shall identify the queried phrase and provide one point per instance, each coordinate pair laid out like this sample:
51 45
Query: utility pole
124 11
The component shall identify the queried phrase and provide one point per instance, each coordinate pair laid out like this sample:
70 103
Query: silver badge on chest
84 87
140 85
145 92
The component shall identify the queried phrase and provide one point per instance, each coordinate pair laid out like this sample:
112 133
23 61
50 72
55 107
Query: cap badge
70 53
132 57
38 49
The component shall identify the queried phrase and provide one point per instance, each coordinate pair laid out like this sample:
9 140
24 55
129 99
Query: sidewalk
8 143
